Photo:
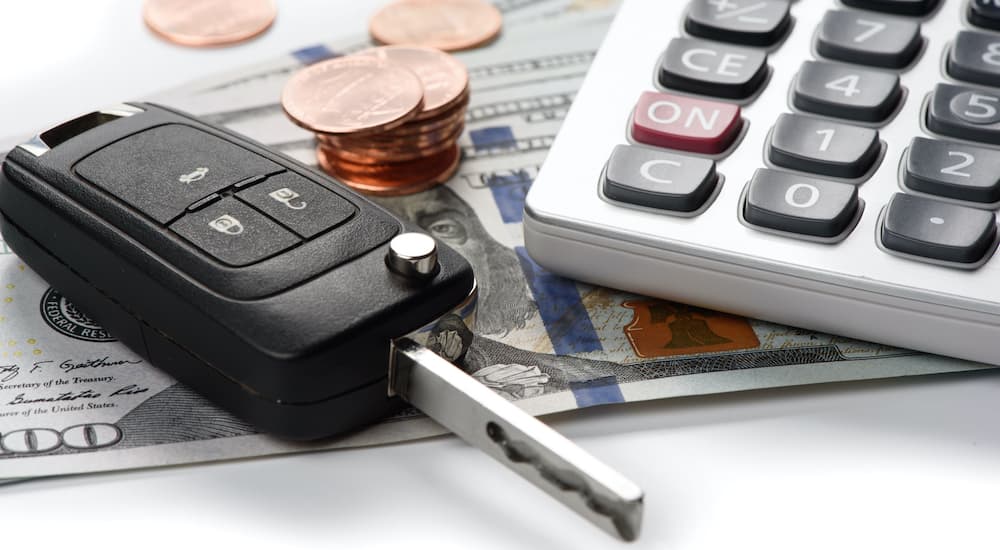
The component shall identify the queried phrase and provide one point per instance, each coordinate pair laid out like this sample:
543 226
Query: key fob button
299 204
713 69
868 39
658 179
798 204
162 170
234 233
935 229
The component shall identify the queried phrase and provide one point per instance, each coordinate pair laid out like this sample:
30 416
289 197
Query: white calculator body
753 156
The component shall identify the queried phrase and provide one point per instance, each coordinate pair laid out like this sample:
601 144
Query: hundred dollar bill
73 400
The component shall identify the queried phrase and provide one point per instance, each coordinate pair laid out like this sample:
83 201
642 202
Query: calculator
832 165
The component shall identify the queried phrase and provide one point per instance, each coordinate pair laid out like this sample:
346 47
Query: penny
448 25
382 146
408 131
444 78
204 23
352 95
393 179
412 128
382 153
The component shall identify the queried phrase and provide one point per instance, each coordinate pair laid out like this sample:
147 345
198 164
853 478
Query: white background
895 464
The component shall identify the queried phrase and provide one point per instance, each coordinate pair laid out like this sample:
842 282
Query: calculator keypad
713 69
750 22
823 147
846 91
819 156
658 179
868 39
801 205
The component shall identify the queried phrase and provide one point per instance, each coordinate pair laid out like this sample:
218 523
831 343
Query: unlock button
297 203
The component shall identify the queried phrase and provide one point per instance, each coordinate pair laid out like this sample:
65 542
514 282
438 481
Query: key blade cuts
531 449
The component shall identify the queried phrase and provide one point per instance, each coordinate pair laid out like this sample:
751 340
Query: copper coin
391 153
208 22
448 25
410 130
348 95
445 78
402 134
394 180
423 125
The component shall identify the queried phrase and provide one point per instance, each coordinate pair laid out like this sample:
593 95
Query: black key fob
266 286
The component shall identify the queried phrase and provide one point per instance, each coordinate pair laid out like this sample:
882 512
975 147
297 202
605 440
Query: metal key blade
522 443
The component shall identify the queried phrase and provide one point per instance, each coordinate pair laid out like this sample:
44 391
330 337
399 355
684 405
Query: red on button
684 123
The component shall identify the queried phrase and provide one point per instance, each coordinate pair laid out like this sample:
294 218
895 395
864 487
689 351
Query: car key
271 289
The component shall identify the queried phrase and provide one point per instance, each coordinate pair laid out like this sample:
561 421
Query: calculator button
714 69
234 233
658 179
750 22
162 170
845 91
299 204
798 204
936 229
685 123
868 39
985 13
965 113
901 7
954 170
823 147
975 57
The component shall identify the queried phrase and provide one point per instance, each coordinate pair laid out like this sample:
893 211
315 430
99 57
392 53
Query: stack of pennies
387 120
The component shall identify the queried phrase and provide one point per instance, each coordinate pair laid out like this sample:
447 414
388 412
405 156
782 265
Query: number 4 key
844 91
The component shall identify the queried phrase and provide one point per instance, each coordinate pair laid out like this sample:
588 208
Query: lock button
234 233
299 204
